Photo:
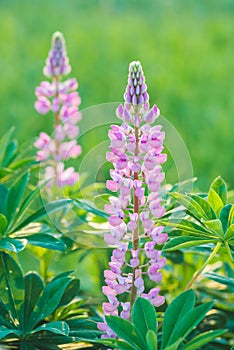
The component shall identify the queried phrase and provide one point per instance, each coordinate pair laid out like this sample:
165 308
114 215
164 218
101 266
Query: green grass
186 49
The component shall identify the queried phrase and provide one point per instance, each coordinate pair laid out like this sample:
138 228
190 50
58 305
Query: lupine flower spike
63 100
136 154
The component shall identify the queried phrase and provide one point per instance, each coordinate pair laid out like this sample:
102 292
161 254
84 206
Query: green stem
198 273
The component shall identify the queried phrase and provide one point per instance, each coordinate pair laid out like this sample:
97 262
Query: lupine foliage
47 310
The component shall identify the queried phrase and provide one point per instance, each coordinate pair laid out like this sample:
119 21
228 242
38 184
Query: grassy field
186 49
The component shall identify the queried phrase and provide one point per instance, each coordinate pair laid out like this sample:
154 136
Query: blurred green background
186 49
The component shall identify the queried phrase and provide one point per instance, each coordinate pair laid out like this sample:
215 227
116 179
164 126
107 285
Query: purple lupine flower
63 100
136 154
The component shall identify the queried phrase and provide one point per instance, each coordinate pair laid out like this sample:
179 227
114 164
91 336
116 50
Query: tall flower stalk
60 97
136 154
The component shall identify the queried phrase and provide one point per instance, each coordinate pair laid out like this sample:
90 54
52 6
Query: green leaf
25 345
215 226
11 286
205 205
46 241
215 201
185 225
230 249
88 206
11 148
3 202
175 345
5 173
230 233
231 216
191 205
203 339
220 279
4 332
115 343
188 321
3 223
70 293
45 211
4 142
33 288
23 163
101 200
152 341
224 216
5 319
126 331
27 202
12 244
144 316
185 242
15 195
220 187
179 307
48 300
58 327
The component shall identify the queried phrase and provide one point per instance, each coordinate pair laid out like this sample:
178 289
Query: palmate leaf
231 216
220 187
126 331
4 142
189 321
204 204
187 226
203 339
192 206
3 223
33 286
24 345
220 279
215 201
215 226
224 216
144 316
83 329
4 332
46 241
11 286
4 317
12 245
58 327
88 206
70 292
117 344
15 195
151 340
48 301
5 174
230 233
26 204
175 345
3 202
179 307
10 153
44 211
186 242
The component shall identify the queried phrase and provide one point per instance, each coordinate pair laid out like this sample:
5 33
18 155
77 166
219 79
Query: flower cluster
63 100
136 153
